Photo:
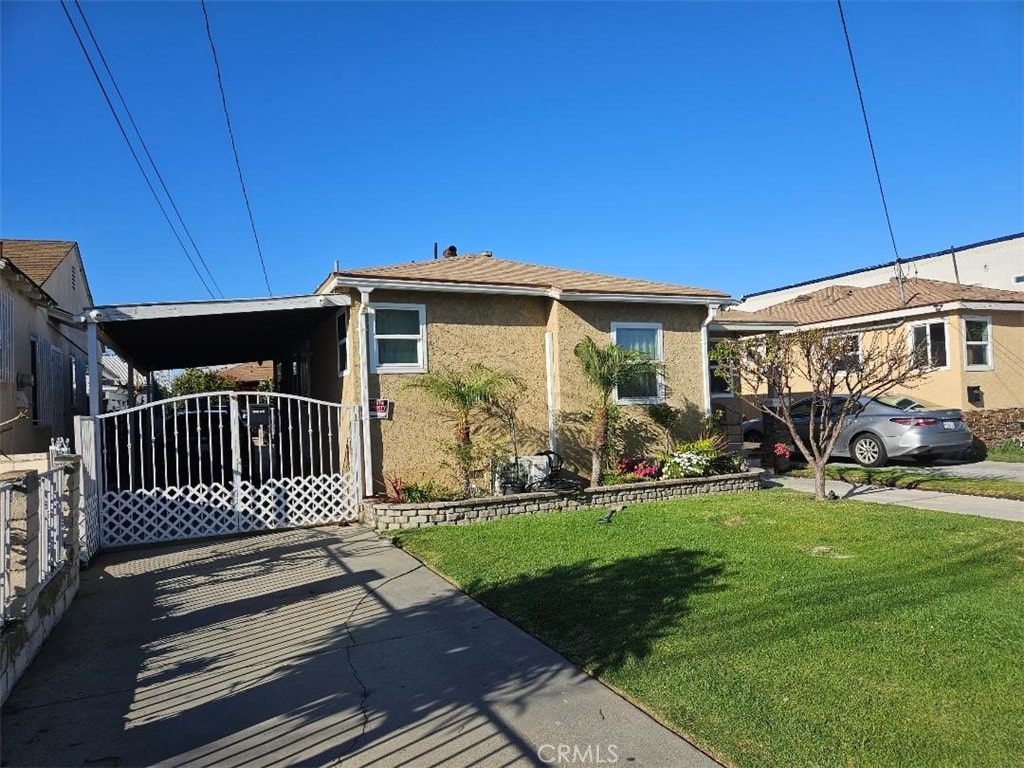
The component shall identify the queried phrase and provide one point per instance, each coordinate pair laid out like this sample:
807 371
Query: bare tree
821 364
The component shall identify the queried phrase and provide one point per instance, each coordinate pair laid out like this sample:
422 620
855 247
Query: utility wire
145 148
234 147
871 146
138 162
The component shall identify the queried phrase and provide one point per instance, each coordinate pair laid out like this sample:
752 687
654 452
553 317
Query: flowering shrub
686 464
641 469
782 451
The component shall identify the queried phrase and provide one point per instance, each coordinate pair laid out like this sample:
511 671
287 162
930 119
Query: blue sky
710 144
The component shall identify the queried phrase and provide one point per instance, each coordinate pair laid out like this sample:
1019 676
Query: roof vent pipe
486 254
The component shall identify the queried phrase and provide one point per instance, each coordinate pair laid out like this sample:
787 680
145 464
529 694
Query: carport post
236 457
95 384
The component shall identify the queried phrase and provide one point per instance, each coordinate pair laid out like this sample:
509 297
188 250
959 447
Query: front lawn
891 477
772 630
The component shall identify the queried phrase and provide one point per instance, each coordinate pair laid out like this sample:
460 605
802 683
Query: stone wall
36 609
994 426
385 516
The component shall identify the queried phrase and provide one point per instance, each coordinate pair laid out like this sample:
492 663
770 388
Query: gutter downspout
706 363
549 358
364 390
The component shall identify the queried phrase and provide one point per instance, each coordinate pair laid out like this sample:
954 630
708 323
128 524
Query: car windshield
905 403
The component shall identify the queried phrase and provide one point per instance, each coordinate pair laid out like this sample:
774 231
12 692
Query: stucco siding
684 361
502 332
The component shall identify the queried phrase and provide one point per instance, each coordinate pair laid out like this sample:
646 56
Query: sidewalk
1000 509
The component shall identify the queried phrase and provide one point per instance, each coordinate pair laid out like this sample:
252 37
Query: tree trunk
600 444
819 479
463 440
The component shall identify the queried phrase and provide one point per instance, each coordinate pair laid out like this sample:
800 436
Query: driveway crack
364 691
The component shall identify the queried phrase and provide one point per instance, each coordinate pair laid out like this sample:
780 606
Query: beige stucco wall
506 333
684 383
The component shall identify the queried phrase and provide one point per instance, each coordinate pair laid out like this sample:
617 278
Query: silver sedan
882 428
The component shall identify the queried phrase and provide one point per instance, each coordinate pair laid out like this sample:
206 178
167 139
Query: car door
850 427
800 413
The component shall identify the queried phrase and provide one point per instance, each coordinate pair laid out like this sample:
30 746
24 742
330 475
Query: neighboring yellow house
971 337
43 290
406 319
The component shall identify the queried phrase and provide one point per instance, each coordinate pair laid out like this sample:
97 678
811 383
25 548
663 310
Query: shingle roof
837 302
739 316
481 270
36 258
249 372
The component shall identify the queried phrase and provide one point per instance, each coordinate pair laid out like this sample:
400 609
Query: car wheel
752 436
868 451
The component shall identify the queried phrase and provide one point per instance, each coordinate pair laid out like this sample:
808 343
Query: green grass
921 481
1008 451
900 644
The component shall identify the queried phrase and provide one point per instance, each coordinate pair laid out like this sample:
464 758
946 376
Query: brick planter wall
995 426
391 517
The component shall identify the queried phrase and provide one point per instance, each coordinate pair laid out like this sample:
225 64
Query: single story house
970 337
403 320
43 347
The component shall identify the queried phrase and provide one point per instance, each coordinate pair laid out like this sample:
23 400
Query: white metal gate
218 464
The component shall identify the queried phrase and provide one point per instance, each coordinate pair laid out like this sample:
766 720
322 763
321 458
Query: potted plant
781 456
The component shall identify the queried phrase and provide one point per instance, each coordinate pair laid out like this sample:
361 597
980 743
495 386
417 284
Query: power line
124 134
234 147
145 148
871 146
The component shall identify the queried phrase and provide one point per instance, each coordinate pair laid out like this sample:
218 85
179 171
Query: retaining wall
384 516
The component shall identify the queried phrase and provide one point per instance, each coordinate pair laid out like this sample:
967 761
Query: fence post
236 458
356 441
88 439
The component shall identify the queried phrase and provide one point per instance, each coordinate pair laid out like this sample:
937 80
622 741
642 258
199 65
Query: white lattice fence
167 514
298 501
224 463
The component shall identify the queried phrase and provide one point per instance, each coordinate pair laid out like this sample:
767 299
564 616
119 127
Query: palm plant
606 369
464 392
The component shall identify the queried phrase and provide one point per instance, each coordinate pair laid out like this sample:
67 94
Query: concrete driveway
307 647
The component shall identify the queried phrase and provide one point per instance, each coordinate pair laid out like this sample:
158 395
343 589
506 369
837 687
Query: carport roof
158 337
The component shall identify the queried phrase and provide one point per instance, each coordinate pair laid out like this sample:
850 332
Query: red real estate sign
380 409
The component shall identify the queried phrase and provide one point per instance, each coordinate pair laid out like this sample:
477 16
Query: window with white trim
341 329
848 358
720 387
977 343
399 338
646 338
928 345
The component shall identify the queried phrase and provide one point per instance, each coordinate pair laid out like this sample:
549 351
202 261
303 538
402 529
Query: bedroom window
928 345
978 343
646 338
399 333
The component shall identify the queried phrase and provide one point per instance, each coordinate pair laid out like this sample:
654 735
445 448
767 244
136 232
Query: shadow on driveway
304 647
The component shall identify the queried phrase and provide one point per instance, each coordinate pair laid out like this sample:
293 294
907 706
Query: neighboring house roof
735 320
36 259
487 271
254 372
888 264
838 302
